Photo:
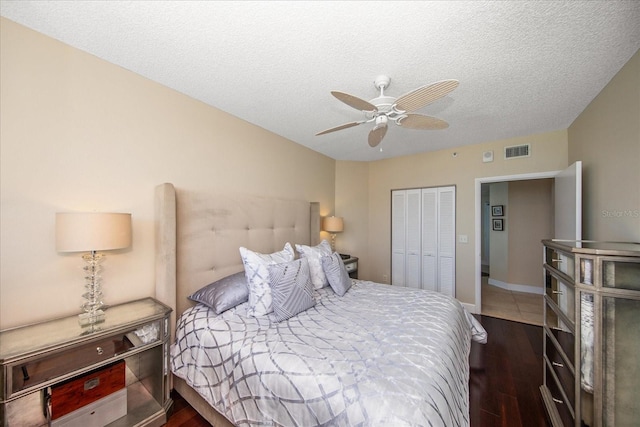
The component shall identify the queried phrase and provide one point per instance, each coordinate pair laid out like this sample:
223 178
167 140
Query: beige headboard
198 235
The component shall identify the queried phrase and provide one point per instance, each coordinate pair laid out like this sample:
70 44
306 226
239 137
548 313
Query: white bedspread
378 356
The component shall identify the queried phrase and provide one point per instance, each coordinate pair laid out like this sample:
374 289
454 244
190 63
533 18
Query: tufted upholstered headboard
198 235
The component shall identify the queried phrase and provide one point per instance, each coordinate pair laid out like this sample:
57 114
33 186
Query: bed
375 355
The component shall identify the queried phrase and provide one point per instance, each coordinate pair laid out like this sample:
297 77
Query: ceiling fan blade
425 95
344 126
418 121
376 135
354 101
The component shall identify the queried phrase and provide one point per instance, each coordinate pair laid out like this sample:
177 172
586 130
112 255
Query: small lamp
92 232
333 225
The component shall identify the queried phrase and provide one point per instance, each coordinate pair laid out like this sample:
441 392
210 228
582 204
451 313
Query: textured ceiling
524 67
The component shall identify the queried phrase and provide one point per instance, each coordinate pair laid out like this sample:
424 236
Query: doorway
479 229
516 216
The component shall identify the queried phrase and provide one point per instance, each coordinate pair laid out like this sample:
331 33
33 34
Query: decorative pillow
291 288
336 273
255 269
313 254
223 294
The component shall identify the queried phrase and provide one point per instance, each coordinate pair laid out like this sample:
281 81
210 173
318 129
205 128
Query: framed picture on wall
498 224
497 210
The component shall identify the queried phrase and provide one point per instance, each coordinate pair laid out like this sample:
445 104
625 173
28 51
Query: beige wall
352 204
530 213
516 252
606 137
80 134
549 153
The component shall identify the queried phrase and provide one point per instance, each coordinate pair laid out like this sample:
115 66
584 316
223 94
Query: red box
85 389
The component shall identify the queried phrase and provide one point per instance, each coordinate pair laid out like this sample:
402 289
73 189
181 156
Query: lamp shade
92 231
333 224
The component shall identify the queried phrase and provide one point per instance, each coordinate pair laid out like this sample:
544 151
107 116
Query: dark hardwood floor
506 374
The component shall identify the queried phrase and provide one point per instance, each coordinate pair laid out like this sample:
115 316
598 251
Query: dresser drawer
561 261
562 294
561 405
562 370
561 332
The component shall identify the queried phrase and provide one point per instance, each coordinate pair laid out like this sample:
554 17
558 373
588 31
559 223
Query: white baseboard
471 308
517 288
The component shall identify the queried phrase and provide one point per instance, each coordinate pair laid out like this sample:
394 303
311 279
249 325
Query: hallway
510 305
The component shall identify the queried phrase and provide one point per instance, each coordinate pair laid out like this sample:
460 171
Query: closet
423 238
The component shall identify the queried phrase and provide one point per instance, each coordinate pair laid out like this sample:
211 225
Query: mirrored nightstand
38 358
351 264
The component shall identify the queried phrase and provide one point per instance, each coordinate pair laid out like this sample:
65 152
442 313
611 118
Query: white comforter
378 356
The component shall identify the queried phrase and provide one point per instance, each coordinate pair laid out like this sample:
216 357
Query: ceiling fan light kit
382 109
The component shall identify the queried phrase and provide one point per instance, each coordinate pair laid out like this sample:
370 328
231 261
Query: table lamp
333 225
92 232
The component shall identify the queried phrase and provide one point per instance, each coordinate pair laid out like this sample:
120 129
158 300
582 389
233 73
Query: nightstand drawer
50 366
45 367
352 266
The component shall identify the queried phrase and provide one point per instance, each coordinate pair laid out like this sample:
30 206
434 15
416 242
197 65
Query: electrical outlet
385 278
463 238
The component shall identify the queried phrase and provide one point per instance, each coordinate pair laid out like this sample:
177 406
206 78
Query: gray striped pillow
336 273
291 288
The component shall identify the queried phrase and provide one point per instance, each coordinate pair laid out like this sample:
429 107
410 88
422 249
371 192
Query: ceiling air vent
516 151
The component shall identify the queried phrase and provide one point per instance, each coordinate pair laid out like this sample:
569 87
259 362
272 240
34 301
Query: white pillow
257 272
314 254
291 288
337 274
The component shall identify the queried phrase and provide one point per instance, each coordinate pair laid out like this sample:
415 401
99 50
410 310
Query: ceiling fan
384 109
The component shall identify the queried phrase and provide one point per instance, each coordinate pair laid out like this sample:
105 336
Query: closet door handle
558 364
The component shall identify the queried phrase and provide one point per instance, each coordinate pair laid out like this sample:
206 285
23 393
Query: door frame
477 307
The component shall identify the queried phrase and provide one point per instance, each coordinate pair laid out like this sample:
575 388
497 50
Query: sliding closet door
447 240
423 239
398 236
430 239
413 245
405 240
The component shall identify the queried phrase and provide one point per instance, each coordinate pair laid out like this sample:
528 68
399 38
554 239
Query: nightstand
351 264
39 358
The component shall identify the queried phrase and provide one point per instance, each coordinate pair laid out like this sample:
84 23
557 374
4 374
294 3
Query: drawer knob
558 364
99 350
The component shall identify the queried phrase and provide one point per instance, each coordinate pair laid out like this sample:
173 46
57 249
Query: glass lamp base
86 319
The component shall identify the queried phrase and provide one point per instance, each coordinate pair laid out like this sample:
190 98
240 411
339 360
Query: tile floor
516 306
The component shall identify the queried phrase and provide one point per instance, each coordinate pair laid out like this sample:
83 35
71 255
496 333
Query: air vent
516 151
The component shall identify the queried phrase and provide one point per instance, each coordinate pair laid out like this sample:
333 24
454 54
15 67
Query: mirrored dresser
60 360
591 333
